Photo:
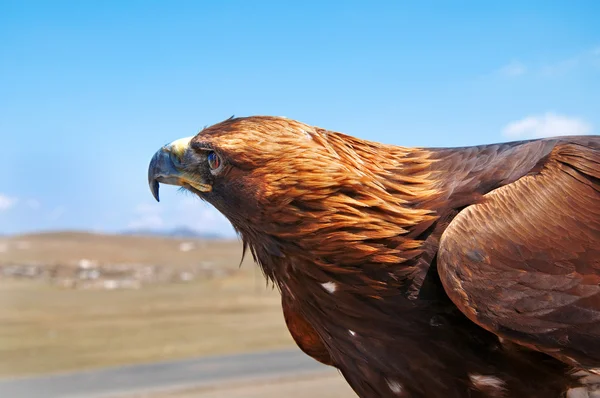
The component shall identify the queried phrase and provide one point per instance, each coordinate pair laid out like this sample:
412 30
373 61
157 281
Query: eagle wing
525 262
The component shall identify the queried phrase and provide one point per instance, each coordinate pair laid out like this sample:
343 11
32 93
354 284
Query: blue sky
89 90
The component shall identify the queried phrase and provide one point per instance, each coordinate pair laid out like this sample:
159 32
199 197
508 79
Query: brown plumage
417 272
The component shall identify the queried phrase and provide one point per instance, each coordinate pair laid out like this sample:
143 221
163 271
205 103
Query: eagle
415 271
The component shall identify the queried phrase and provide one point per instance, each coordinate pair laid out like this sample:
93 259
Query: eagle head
248 168
290 188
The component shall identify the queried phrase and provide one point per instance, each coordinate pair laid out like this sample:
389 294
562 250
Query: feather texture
421 272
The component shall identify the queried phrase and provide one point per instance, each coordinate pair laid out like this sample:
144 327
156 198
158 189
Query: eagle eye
214 161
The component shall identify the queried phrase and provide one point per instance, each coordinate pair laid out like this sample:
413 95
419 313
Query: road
162 376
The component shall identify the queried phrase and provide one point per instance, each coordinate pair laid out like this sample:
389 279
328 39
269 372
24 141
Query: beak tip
155 191
154 185
152 181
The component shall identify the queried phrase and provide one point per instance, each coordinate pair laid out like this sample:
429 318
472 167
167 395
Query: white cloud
583 59
148 221
57 213
189 212
560 67
33 204
547 125
145 208
552 68
147 216
6 202
201 216
513 69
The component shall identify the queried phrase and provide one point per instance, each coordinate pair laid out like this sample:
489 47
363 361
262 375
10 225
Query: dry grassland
329 384
47 329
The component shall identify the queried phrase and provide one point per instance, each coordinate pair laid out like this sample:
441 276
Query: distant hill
153 248
179 232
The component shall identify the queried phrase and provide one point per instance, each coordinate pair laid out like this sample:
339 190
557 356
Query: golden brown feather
356 235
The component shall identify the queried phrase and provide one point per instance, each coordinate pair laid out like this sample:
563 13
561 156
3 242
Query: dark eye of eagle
214 161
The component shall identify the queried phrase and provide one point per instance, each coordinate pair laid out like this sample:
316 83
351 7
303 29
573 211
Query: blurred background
94 274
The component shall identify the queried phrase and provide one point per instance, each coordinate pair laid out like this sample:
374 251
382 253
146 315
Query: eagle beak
165 166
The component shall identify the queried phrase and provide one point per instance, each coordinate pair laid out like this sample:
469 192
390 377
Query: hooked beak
165 167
